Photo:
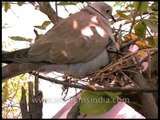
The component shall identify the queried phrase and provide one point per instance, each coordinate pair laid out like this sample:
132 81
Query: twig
56 11
139 63
65 83
130 42
127 77
146 28
127 57
64 98
46 8
134 17
36 33
130 71
120 64
86 87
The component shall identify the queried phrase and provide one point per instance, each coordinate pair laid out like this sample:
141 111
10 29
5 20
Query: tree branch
23 105
87 87
148 102
46 8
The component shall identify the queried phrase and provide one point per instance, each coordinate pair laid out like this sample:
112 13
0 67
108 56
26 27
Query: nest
117 73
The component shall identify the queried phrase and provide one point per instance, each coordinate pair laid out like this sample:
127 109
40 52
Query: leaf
140 29
95 103
18 38
129 37
7 6
140 6
154 6
142 44
67 3
129 6
153 25
149 10
113 94
20 3
123 16
118 3
44 25
5 92
13 110
142 54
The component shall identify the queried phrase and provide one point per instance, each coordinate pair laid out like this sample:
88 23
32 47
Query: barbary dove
76 45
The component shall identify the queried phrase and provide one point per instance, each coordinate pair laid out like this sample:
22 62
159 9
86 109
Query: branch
130 43
148 102
23 105
87 87
46 8
143 60
35 103
146 28
134 17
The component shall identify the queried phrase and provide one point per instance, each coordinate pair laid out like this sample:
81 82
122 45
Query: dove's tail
18 63
15 56
14 69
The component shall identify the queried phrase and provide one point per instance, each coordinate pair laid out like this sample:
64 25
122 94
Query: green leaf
140 6
113 94
95 103
18 38
154 6
140 29
43 26
123 16
5 92
20 3
7 6
153 25
67 3
136 5
118 3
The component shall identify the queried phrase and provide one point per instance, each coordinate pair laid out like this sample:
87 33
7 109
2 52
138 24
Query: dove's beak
113 18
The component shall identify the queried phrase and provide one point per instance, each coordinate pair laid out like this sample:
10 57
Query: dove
77 45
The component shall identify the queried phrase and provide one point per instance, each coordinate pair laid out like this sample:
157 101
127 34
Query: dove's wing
75 45
81 37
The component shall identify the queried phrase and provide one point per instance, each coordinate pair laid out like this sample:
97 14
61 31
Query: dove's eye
107 11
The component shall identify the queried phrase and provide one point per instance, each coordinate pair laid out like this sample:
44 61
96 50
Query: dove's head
104 9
